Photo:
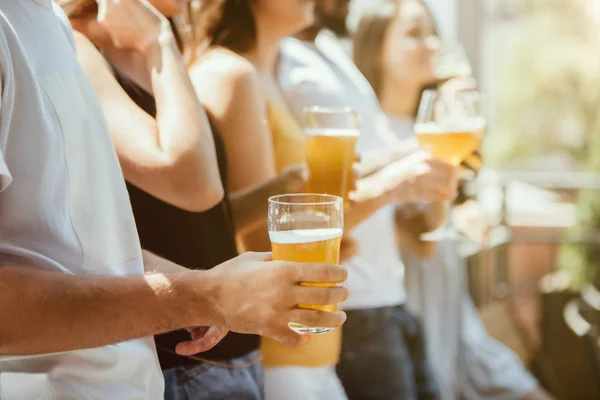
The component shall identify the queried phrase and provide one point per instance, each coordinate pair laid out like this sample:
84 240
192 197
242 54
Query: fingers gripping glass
307 228
450 127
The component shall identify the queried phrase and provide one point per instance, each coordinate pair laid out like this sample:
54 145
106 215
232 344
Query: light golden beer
449 145
330 154
308 245
307 228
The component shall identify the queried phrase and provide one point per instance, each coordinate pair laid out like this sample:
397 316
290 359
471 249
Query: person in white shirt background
392 48
79 299
383 352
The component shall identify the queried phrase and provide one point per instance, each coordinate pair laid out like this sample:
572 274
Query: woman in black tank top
196 240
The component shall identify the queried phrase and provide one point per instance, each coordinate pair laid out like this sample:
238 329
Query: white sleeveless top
323 75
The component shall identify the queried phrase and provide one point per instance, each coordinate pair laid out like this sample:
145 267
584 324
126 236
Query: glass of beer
450 128
451 61
331 136
307 228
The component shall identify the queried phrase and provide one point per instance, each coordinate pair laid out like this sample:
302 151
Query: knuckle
281 295
296 294
268 315
317 317
330 297
295 272
325 274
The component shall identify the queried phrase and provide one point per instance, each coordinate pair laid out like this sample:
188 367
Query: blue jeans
384 356
242 379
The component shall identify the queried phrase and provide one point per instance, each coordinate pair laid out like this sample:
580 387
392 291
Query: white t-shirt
63 202
323 75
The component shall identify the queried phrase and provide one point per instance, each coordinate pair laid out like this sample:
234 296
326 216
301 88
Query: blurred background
535 282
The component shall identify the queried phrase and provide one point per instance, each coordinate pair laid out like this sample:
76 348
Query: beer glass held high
450 128
331 136
307 228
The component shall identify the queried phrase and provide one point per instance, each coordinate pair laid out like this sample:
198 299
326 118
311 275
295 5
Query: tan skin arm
46 312
236 105
49 312
171 157
409 228
237 108
249 206
236 111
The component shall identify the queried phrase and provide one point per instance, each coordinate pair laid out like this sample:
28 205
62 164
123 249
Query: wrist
198 293
161 39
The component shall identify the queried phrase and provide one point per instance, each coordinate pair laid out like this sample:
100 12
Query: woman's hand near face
132 24
172 156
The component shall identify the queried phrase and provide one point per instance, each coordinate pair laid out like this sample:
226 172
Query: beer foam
458 125
335 132
451 126
304 235
430 128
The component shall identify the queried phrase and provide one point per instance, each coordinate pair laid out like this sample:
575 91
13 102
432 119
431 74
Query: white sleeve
301 85
5 177
65 24
5 99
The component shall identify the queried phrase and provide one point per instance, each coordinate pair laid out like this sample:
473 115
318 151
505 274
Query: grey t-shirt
63 202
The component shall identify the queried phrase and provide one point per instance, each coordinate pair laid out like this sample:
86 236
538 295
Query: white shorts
298 383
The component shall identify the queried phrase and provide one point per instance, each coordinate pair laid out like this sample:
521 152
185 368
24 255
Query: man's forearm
154 264
47 312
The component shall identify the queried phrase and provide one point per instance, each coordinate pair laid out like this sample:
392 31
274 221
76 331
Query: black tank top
196 240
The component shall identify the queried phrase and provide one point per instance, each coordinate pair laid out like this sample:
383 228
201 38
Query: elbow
184 182
196 193
206 196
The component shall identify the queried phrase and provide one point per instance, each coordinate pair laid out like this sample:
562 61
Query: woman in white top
394 48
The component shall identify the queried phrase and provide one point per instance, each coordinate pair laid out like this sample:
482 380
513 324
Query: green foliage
546 81
581 262
546 87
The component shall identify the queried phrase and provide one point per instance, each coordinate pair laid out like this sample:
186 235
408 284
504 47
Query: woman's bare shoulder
230 78
224 64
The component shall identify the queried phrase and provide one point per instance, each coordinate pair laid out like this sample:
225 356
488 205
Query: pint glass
331 137
307 228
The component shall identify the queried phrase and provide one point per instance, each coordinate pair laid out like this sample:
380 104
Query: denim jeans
384 356
214 382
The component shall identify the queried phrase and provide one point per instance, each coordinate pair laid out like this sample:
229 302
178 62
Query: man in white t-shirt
383 352
76 310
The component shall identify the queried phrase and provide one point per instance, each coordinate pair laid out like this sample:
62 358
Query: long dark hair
226 23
